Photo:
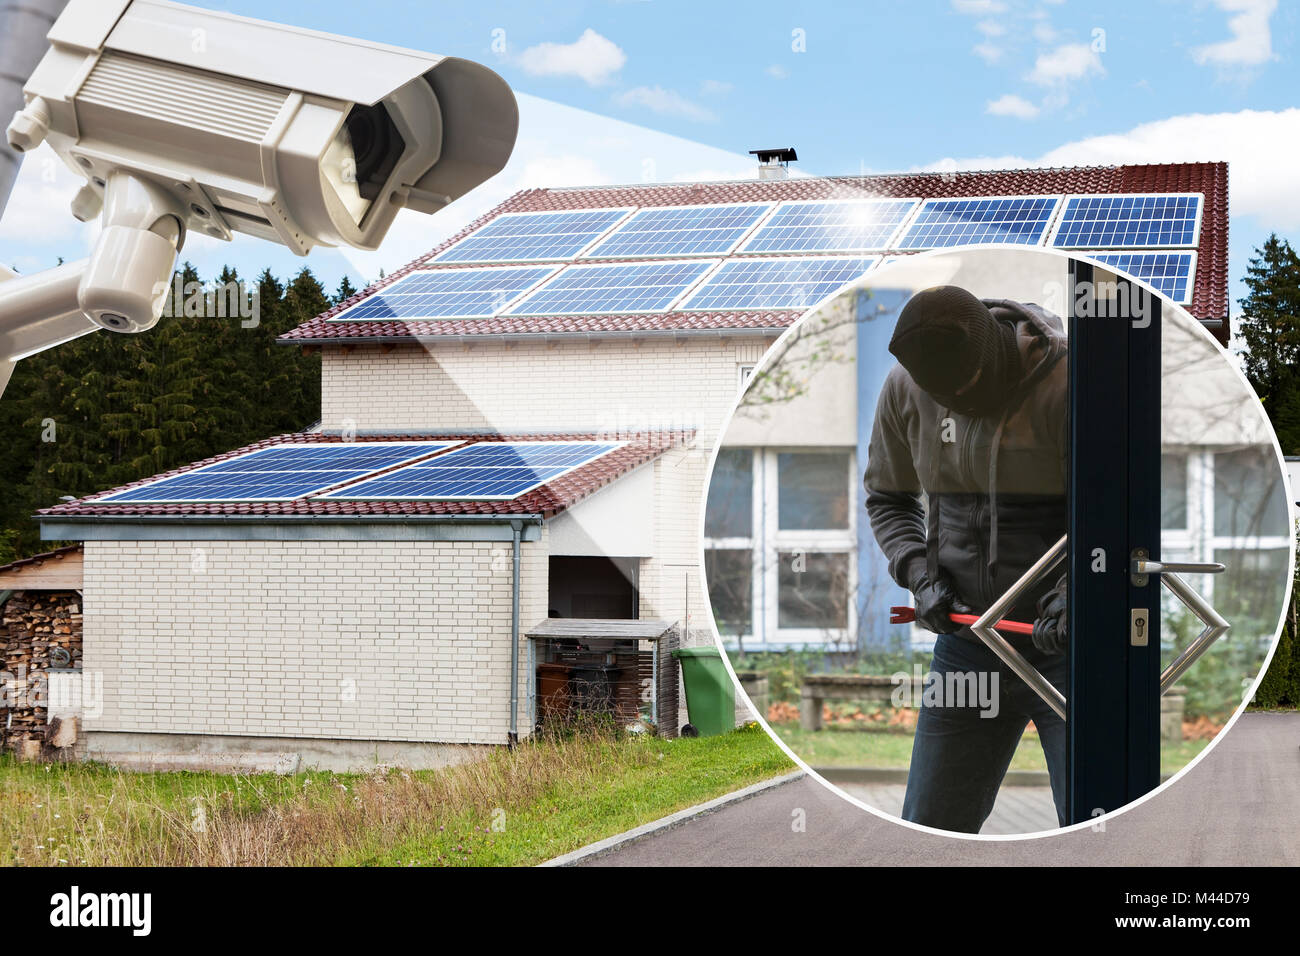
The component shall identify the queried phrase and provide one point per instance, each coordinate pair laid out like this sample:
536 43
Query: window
813 493
730 511
781 546
814 590
743 372
730 576
1173 492
1249 498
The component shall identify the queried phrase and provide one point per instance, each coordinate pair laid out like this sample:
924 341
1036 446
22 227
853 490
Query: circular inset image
997 541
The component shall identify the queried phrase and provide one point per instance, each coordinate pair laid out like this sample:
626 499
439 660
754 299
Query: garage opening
593 587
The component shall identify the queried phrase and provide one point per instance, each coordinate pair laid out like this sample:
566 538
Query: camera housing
227 124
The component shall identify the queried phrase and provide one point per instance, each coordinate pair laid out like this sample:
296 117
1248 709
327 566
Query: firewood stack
32 625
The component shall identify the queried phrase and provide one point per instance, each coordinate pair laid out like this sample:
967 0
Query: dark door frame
1114 515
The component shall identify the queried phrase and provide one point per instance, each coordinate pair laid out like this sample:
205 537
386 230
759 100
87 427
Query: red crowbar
906 615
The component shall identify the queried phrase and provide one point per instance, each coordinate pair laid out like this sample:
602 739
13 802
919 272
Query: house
787 483
616 323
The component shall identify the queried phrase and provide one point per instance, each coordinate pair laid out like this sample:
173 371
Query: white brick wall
404 641
612 384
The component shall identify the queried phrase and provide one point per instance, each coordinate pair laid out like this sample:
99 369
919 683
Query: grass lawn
878 747
513 808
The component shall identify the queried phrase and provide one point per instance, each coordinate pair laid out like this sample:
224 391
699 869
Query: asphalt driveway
1237 807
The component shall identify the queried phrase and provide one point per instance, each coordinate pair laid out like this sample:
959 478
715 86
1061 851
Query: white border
1065 201
339 493
444 443
1099 822
916 202
625 210
1097 253
1041 241
709 263
684 305
594 251
445 270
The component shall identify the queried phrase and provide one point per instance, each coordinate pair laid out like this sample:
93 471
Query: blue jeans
960 756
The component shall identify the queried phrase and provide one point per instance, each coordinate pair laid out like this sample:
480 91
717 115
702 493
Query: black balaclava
944 336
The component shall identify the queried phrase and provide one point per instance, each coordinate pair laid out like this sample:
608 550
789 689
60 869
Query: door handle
983 628
1214 626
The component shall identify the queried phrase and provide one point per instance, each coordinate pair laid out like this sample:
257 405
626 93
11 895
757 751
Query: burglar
973 418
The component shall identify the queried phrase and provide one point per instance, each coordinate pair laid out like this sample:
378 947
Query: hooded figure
974 418
965 482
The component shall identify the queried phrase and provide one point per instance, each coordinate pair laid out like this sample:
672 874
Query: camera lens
376 144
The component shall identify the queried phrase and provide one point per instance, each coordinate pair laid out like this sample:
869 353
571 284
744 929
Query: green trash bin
710 695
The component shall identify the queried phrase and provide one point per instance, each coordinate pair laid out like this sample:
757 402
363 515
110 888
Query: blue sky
631 91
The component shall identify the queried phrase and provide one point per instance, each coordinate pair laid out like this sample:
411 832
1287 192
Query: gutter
425 340
294 527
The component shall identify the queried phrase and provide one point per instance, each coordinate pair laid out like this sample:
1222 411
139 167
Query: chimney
774 163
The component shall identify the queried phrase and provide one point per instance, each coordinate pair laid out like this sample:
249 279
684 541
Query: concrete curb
664 823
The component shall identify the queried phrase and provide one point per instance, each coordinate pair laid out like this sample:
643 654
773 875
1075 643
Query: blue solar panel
680 231
1126 222
278 473
611 289
482 471
956 222
533 236
447 294
832 226
1169 272
775 283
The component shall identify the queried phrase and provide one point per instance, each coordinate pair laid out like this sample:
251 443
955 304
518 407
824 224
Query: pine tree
1270 331
345 291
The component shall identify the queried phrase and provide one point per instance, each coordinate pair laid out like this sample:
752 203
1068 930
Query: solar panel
830 226
1127 222
278 473
484 471
785 283
956 222
680 231
612 288
533 236
1169 272
447 294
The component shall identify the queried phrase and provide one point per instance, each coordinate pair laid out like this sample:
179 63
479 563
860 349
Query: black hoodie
994 484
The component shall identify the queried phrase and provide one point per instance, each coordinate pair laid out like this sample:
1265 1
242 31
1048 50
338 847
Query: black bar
1143 478
1098 553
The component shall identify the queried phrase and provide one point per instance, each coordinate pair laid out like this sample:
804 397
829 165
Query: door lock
1137 628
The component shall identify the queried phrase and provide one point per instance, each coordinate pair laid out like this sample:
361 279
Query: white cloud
1252 41
777 71
987 52
979 8
1258 145
1011 105
990 28
666 103
38 207
1066 64
716 87
591 57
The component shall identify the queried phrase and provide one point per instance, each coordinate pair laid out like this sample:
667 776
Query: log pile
38 630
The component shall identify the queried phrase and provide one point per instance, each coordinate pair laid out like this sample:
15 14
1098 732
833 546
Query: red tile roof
37 560
1209 298
547 500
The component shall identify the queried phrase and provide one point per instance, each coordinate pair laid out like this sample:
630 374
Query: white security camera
184 119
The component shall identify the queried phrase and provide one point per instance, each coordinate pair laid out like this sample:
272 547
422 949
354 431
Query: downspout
516 528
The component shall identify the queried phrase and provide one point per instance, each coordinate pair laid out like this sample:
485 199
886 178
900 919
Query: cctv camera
183 119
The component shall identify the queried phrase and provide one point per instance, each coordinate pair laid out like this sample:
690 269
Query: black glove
1050 635
934 602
